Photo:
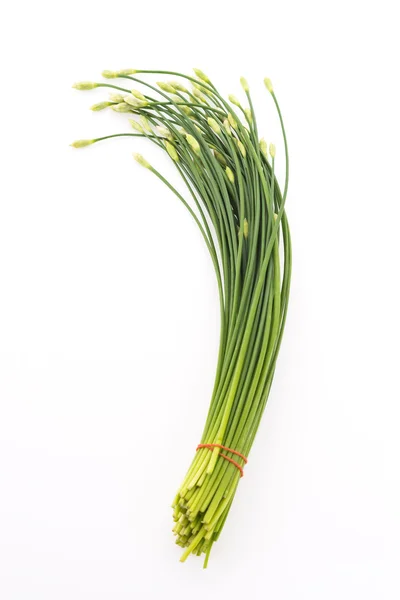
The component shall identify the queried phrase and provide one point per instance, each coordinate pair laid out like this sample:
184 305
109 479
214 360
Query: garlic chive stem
285 189
114 87
190 104
193 214
115 135
175 74
253 114
236 202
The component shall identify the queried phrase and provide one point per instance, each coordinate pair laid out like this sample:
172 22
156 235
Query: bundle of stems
239 208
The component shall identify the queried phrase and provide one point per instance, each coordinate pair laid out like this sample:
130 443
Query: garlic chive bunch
239 208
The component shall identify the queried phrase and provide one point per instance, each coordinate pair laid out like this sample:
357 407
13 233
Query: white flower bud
136 126
121 108
272 150
196 92
263 147
110 74
232 98
232 121
138 95
116 98
187 110
145 123
268 85
201 75
142 161
164 132
82 143
248 114
220 158
193 143
241 148
100 106
245 228
200 87
244 84
85 85
230 175
126 72
227 127
165 87
177 86
134 101
171 151
214 125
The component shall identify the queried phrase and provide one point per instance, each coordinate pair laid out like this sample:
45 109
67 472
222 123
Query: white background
109 313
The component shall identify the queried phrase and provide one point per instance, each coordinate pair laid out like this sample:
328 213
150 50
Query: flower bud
263 147
196 92
230 175
122 107
138 95
245 228
220 158
136 126
145 123
171 151
177 86
241 148
82 143
244 84
116 98
193 143
201 88
134 101
187 110
227 127
110 74
126 72
142 161
85 85
232 121
248 114
202 75
164 132
232 98
272 150
214 125
268 85
100 106
166 87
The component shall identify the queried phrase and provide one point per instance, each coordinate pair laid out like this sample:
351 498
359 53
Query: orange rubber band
212 446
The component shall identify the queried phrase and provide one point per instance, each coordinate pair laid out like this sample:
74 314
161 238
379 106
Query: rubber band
211 446
237 465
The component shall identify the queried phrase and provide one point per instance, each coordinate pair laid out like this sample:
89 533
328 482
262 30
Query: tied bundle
239 208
